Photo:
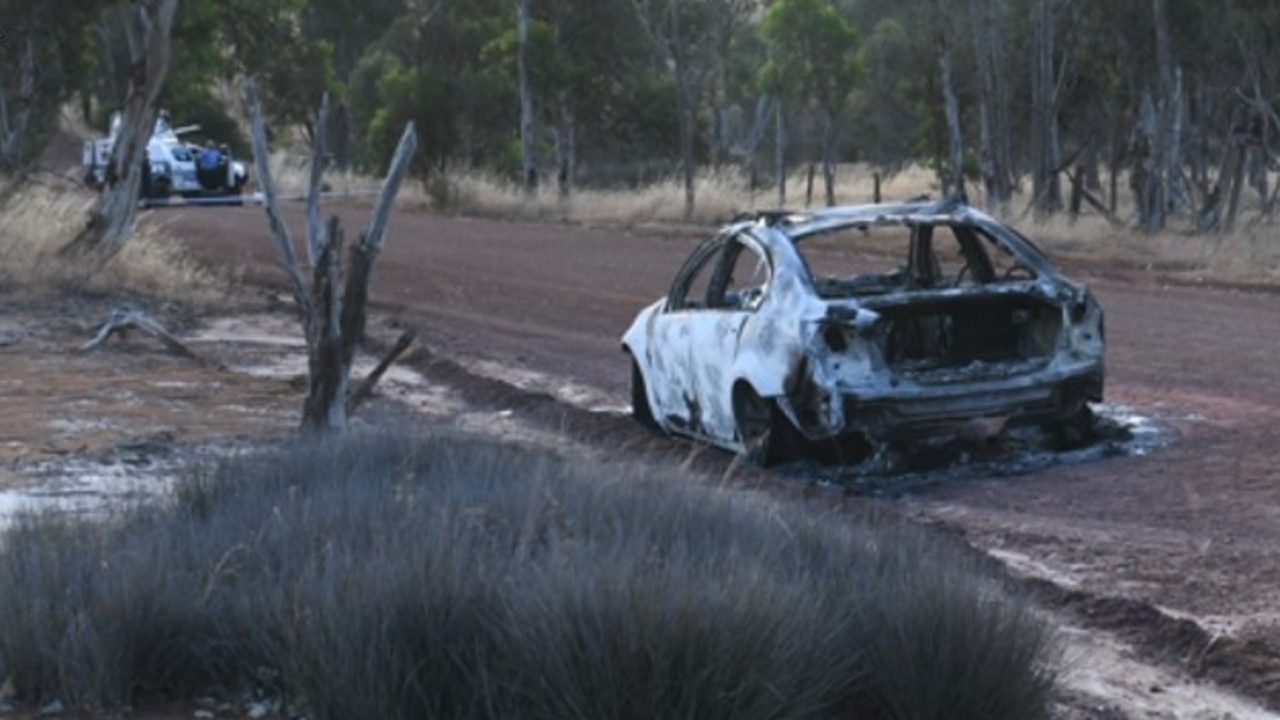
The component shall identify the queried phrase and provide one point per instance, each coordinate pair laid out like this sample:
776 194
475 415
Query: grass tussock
39 220
459 578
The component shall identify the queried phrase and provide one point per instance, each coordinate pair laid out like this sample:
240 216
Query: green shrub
461 578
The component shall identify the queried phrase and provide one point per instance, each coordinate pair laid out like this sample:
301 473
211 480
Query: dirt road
1191 529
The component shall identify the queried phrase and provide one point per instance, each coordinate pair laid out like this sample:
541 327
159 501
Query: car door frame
694 379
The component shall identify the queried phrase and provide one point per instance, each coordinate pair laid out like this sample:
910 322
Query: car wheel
640 408
766 434
160 189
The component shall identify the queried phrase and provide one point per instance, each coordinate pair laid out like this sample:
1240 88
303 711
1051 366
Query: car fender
636 343
772 344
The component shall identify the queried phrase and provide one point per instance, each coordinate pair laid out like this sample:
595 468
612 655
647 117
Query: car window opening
862 261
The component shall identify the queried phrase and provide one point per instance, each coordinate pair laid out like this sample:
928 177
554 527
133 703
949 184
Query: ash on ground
896 468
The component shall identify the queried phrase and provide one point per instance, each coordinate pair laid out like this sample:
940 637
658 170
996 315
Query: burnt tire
640 408
1072 432
765 432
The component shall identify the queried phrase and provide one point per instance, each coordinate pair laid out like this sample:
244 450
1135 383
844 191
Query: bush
39 221
460 578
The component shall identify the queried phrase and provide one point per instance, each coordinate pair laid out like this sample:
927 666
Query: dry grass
38 220
291 172
1247 255
719 196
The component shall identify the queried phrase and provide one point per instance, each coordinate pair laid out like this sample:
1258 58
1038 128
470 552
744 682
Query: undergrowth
38 220
456 577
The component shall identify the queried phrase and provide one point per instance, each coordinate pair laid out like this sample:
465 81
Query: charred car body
876 322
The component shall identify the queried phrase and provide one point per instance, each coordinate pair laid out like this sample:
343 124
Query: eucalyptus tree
666 22
43 63
989 23
813 60
1046 76
148 23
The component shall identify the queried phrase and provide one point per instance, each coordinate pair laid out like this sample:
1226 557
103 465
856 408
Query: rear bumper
1045 396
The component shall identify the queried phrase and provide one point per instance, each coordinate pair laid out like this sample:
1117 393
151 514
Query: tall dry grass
718 196
1245 255
38 220
1248 254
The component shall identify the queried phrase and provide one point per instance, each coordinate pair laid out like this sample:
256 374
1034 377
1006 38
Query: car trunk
956 337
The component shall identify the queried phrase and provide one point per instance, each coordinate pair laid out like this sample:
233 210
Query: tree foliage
631 89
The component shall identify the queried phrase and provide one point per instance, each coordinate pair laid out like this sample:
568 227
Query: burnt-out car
880 323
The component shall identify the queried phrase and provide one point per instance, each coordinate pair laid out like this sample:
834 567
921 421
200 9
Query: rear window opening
872 260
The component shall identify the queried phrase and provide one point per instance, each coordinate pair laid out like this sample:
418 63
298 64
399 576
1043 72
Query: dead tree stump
332 312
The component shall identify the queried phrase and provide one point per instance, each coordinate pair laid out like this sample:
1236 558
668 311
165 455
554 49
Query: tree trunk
111 220
828 159
954 183
1046 150
315 229
779 153
993 120
13 128
566 152
1147 169
1235 178
327 374
333 317
1158 165
684 108
1168 158
528 133
671 43
1177 191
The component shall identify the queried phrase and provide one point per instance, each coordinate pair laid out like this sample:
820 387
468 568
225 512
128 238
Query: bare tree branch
374 234
366 250
315 230
365 388
279 229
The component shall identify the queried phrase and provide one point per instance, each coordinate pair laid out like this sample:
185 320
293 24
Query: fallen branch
1077 185
121 321
365 389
